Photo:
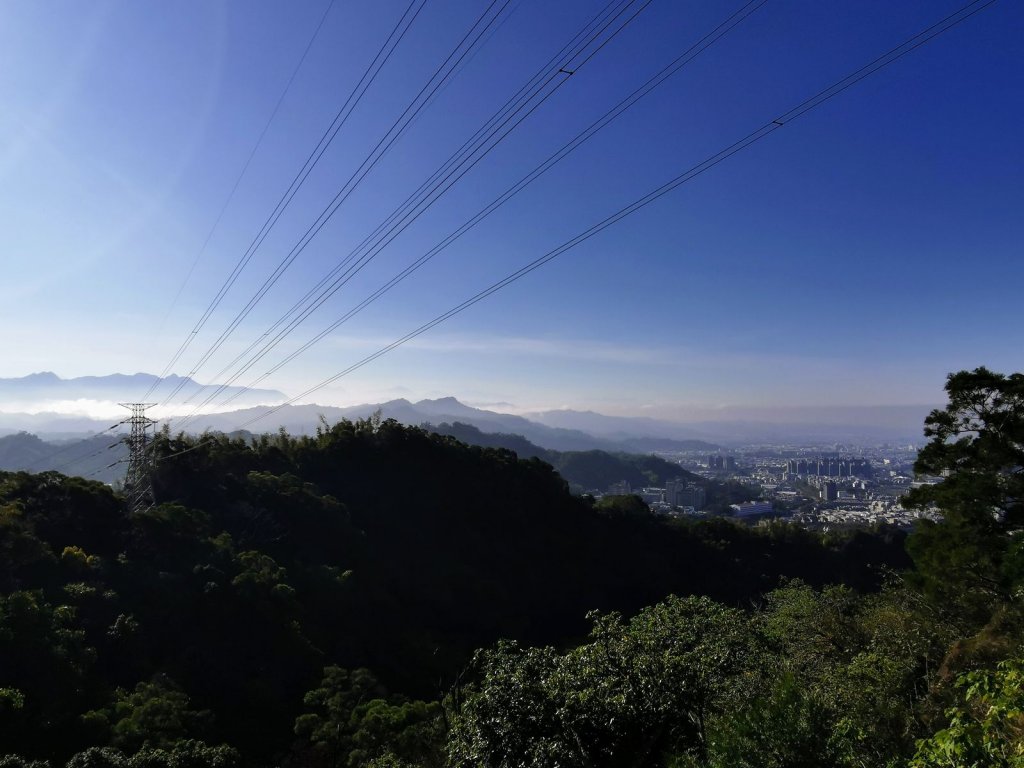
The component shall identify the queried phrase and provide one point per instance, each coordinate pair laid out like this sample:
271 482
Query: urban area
819 487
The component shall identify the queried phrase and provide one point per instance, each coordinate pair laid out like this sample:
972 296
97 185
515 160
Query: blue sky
854 257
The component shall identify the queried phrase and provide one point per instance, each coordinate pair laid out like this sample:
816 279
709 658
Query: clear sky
853 257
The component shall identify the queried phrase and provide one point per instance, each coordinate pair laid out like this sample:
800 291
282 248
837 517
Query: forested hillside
323 601
90 456
583 470
370 545
97 457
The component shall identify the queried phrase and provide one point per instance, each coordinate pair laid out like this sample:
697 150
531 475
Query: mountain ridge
560 429
46 387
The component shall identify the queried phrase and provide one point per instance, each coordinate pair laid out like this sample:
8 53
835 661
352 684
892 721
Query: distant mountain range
615 427
46 387
590 449
567 430
561 430
102 456
303 419
96 457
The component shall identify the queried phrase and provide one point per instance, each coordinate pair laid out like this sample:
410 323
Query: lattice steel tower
138 487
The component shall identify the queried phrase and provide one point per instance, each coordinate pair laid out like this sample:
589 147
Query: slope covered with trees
379 595
91 456
583 470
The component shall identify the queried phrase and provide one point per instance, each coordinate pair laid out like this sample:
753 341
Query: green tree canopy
636 693
976 445
986 724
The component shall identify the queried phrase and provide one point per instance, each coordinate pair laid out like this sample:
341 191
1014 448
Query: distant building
682 493
653 495
749 508
829 491
832 467
673 491
695 497
730 463
620 488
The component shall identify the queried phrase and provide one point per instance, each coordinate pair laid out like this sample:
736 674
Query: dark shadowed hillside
91 456
584 470
369 545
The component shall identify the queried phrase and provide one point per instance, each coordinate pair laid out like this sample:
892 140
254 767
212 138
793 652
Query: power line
606 17
469 59
68 447
336 124
368 163
894 54
248 160
456 167
101 470
80 459
485 130
664 74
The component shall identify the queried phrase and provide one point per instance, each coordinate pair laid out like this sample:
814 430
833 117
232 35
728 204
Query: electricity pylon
138 486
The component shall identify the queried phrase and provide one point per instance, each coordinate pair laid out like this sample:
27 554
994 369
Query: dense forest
98 456
381 595
586 470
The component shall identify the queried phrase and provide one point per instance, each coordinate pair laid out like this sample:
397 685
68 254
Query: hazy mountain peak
440 401
39 391
396 403
447 406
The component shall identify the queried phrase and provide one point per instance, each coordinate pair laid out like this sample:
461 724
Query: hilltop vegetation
584 470
90 456
379 595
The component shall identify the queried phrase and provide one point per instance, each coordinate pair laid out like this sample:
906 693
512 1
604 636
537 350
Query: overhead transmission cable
340 118
823 96
63 449
440 75
80 459
457 166
607 16
469 59
596 27
514 111
101 470
248 162
651 84
482 133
